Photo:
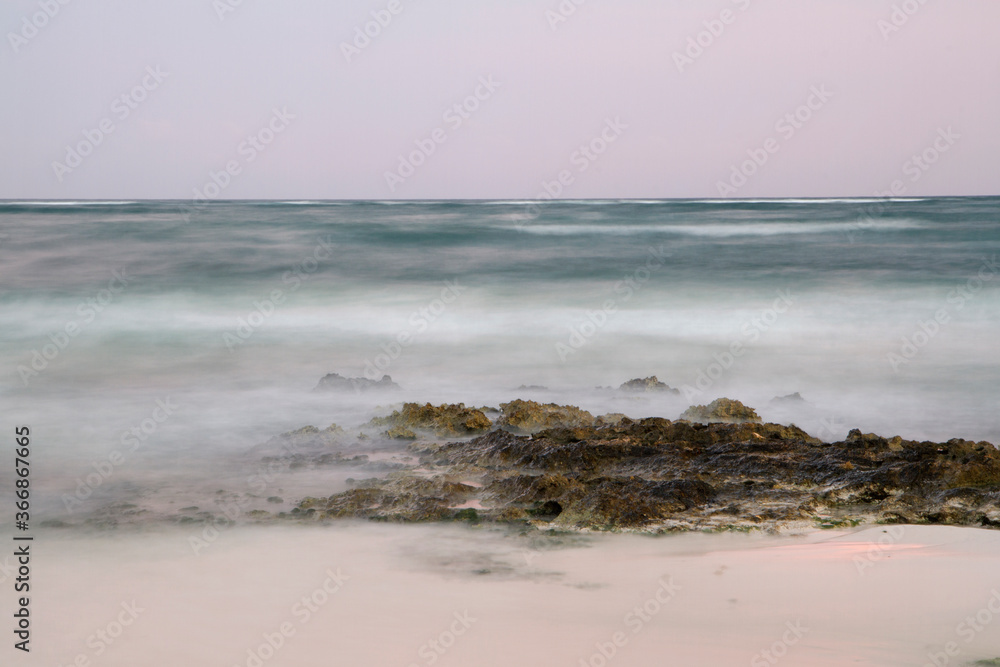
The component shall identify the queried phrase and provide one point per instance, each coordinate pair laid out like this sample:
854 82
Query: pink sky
671 127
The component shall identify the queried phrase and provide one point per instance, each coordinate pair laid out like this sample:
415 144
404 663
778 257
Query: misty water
152 348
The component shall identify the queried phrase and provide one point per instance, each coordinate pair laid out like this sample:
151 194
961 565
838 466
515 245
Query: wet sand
449 595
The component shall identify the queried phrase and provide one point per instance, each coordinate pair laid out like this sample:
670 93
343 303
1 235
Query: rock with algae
309 436
657 475
447 421
721 411
528 416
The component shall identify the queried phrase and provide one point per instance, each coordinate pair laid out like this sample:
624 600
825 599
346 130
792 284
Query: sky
498 99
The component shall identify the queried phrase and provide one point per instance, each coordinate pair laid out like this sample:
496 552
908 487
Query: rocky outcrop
721 411
335 382
660 475
647 385
308 436
609 419
406 499
446 421
528 416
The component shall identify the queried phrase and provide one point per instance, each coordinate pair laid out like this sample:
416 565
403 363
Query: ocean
888 309
149 345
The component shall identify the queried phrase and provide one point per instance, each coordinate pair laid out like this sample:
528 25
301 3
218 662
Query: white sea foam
721 230
61 202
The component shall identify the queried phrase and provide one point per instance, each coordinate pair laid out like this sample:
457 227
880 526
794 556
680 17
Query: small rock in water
336 382
721 411
790 398
650 384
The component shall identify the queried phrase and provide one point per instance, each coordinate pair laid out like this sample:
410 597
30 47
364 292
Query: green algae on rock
610 419
721 410
528 416
309 436
447 421
658 475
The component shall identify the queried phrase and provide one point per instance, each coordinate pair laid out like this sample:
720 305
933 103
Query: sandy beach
432 595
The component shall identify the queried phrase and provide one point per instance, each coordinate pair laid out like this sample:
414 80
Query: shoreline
728 597
536 466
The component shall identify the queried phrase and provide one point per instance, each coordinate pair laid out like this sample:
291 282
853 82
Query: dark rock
529 416
577 472
307 437
721 410
546 511
400 433
610 419
336 382
410 499
468 514
448 421
650 384
633 502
